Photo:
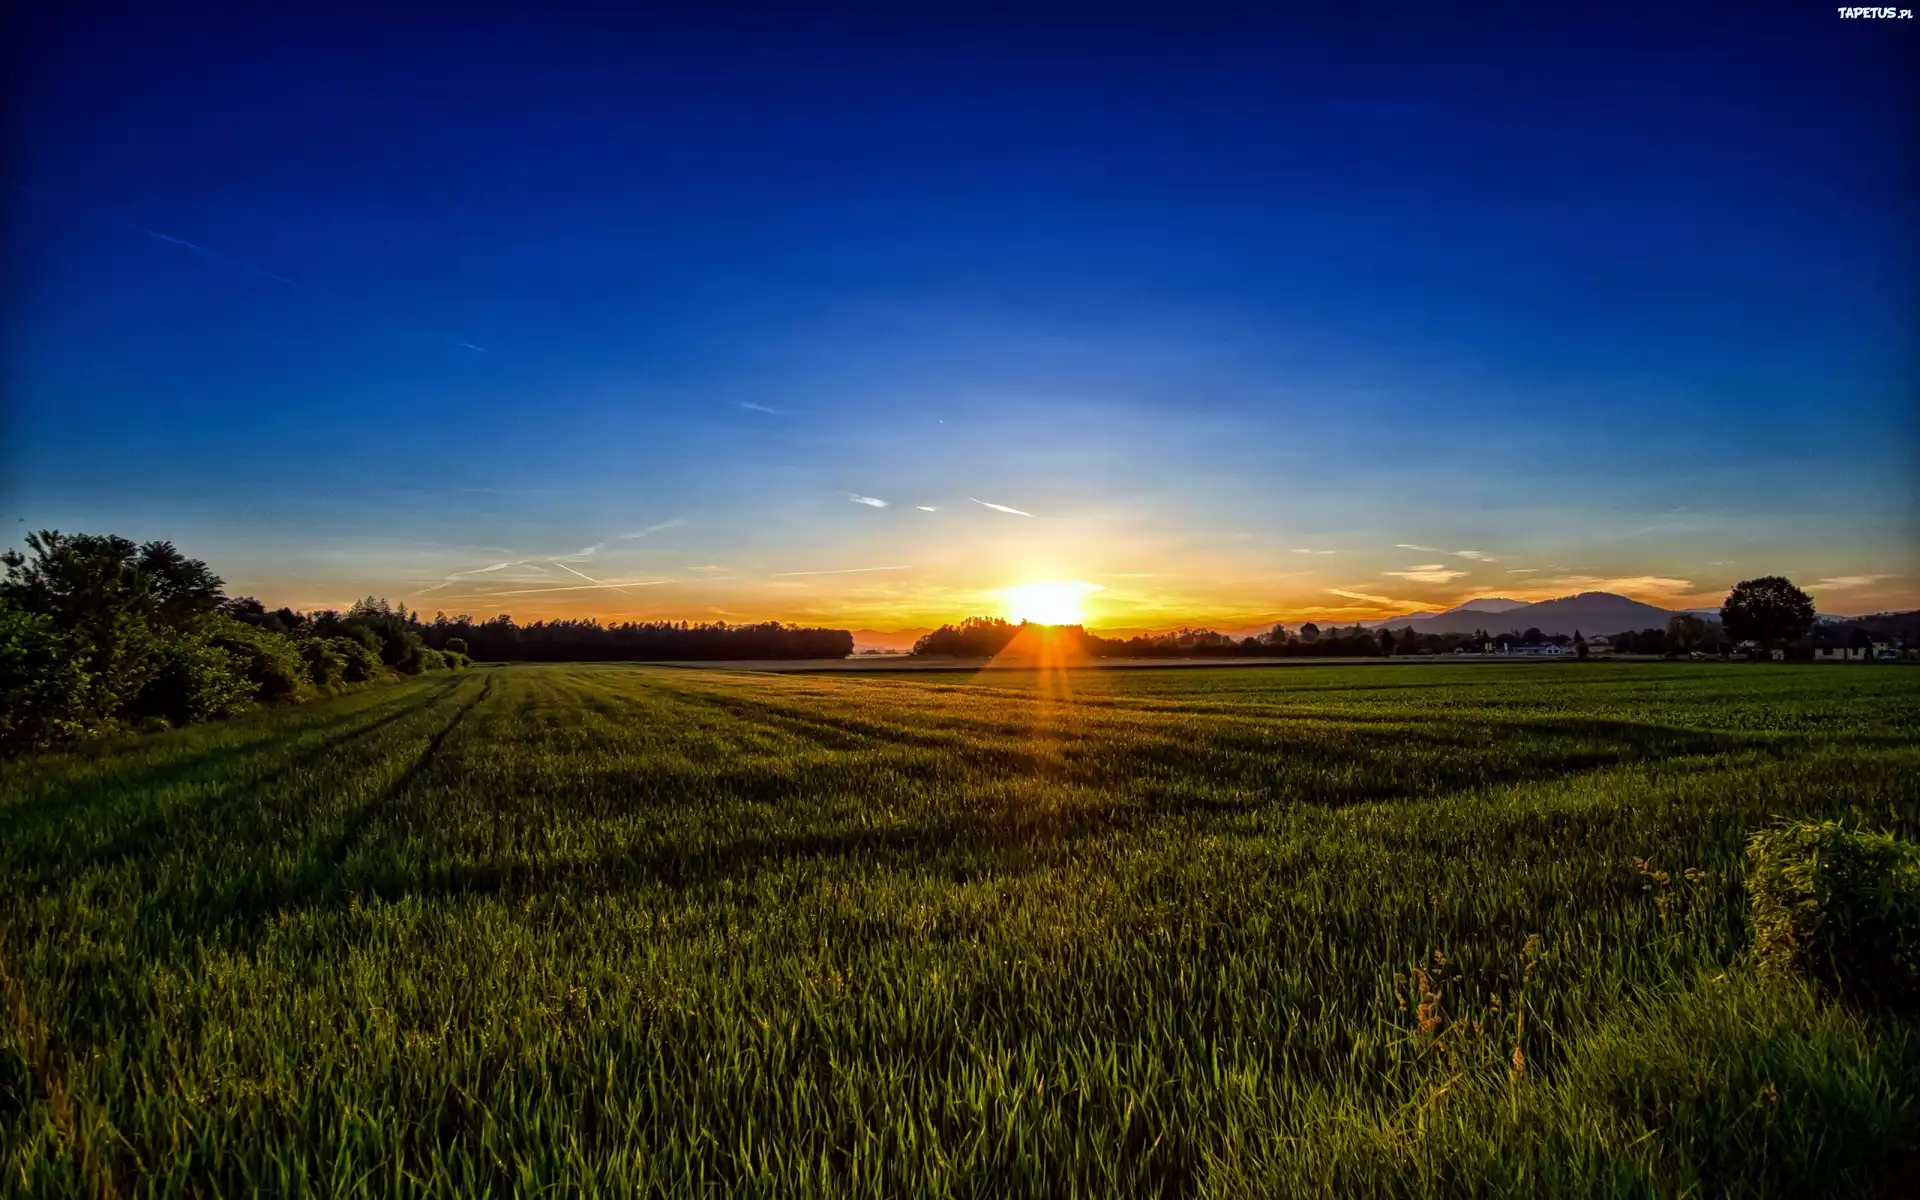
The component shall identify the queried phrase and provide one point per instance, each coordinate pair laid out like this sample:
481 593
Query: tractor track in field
371 811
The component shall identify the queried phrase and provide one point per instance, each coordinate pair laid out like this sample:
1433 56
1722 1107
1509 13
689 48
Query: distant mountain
1484 605
1489 604
1588 612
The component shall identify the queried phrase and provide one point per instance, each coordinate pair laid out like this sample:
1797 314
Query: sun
1054 603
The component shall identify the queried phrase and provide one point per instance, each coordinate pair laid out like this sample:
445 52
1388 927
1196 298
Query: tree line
498 639
99 634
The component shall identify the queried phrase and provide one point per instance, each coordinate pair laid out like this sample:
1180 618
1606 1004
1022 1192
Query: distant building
1599 646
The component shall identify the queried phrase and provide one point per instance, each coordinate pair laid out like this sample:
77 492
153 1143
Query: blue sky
1237 309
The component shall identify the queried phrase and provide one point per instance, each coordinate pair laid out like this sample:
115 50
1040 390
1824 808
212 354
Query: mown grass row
1340 931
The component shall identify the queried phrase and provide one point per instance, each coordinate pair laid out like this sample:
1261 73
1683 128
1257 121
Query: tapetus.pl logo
1903 14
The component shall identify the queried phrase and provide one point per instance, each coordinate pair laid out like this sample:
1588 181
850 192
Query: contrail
121 223
226 258
578 587
844 571
640 533
590 579
998 507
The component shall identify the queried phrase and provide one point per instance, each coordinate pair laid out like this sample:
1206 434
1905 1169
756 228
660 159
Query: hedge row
97 634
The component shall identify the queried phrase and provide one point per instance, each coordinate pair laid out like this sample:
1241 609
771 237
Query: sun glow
1055 603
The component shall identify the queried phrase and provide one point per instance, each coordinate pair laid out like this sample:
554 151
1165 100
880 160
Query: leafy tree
271 662
456 645
1309 632
1685 631
326 666
1386 642
1768 610
46 694
197 680
91 589
362 662
183 589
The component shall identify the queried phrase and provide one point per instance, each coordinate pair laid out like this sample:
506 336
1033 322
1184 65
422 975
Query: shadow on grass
1210 784
224 766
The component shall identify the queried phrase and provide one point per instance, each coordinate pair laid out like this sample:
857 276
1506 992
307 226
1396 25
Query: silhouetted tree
1768 610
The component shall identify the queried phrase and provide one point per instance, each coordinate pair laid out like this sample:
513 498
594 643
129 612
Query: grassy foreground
1370 930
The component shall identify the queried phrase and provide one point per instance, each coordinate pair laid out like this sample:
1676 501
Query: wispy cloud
750 406
1387 600
869 501
1428 573
1664 586
1842 582
1475 555
927 507
577 555
471 346
708 567
651 529
998 507
1522 570
1128 575
1304 550
841 571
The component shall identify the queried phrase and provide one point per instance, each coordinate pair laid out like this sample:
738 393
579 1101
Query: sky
861 318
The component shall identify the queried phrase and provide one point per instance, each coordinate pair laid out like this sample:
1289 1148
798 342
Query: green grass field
1343 930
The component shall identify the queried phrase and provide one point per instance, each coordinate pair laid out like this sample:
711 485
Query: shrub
197 681
455 659
432 660
325 664
46 692
1840 906
271 661
362 662
455 646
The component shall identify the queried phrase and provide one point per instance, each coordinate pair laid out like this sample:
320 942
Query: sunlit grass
1237 932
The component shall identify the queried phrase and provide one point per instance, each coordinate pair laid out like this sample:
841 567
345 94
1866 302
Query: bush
455 659
1841 907
46 692
325 664
271 661
432 660
455 646
361 661
197 681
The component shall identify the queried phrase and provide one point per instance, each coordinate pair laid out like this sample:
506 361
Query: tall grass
1224 933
